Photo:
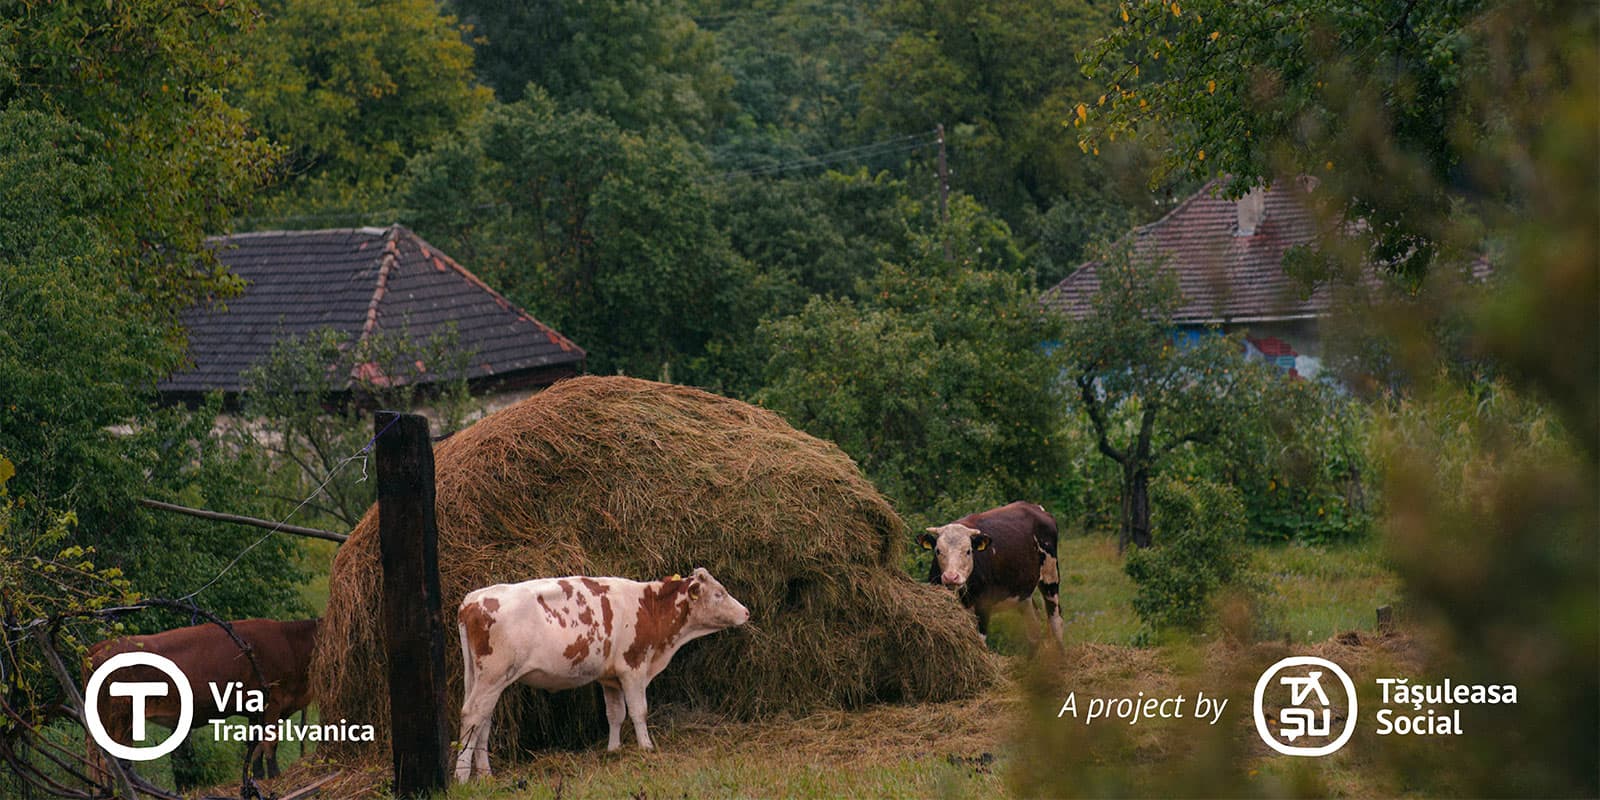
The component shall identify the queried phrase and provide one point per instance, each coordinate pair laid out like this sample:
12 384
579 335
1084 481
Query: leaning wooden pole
240 519
412 620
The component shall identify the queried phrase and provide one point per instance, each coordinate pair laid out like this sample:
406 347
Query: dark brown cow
998 555
207 655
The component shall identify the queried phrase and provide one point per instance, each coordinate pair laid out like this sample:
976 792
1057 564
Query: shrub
1303 470
1198 550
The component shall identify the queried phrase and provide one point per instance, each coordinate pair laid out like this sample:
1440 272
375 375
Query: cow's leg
616 709
186 767
265 756
116 723
477 712
266 759
480 748
1050 589
633 692
983 623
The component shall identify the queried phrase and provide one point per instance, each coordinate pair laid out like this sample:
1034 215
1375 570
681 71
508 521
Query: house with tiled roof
359 282
1228 259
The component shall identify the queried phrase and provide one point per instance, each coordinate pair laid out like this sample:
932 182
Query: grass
1309 592
1313 592
970 748
316 558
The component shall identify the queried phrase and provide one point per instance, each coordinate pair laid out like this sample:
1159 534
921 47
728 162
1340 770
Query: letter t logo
138 690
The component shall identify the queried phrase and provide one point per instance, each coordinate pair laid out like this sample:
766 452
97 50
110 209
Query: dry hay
616 476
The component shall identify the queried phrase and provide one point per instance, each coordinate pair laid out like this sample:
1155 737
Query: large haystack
615 476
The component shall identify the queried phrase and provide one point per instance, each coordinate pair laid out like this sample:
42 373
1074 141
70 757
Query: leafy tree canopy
1001 77
604 233
139 80
934 381
117 156
796 70
643 64
352 90
1357 94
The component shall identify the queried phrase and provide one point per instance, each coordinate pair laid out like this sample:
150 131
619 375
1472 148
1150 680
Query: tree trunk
1135 507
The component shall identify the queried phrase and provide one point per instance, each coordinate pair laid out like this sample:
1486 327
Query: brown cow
562 633
998 555
206 655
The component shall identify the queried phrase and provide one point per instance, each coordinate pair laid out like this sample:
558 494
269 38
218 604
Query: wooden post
1385 619
412 621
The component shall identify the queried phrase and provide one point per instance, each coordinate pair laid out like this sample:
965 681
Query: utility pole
944 190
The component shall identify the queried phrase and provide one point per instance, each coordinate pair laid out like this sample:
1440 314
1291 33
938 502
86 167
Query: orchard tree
1147 394
310 406
1365 96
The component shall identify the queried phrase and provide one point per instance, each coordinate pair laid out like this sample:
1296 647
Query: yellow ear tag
675 577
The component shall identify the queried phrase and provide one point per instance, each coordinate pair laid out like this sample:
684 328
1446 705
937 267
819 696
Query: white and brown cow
998 555
562 633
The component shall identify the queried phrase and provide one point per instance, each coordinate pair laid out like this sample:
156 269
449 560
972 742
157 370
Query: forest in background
739 196
746 197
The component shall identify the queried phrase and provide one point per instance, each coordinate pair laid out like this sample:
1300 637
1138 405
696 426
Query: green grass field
1309 593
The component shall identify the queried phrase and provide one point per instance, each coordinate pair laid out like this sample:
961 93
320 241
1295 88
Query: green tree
119 154
796 70
351 90
1001 77
645 64
1147 395
139 81
309 403
1365 96
935 381
604 233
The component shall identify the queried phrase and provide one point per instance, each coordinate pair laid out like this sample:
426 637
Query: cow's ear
980 541
694 590
926 540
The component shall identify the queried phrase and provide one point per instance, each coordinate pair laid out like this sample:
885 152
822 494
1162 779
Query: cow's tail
469 670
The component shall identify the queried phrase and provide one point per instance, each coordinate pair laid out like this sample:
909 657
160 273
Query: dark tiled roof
1224 277
356 281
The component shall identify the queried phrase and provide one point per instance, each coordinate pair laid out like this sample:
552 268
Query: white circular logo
137 692
1309 711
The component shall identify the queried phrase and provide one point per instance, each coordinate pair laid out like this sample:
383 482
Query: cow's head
710 604
953 546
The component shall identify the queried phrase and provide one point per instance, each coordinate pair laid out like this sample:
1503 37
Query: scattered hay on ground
616 476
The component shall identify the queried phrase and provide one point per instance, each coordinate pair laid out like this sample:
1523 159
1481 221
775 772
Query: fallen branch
238 519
